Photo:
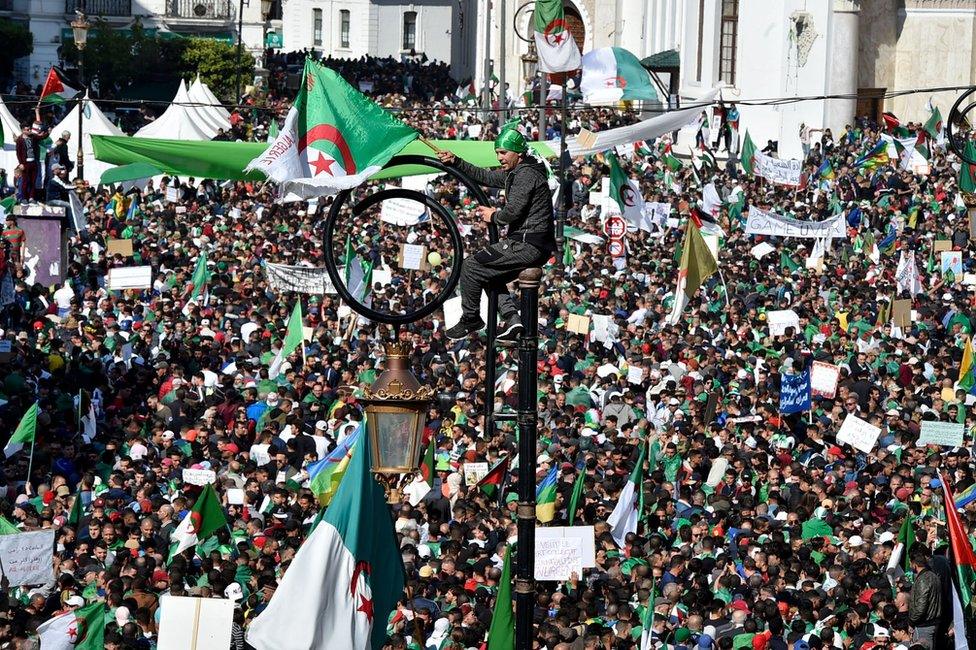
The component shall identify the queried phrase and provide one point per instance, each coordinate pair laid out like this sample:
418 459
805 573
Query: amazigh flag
56 90
493 480
545 497
557 48
967 171
501 634
697 264
329 585
204 519
334 138
612 74
965 497
325 475
877 156
294 339
825 170
625 514
964 562
967 378
625 195
748 154
81 629
24 433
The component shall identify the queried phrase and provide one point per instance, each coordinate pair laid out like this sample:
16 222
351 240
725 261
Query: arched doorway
576 25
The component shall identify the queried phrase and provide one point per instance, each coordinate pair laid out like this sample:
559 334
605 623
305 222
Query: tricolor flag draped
624 517
697 264
329 586
334 138
612 74
204 519
56 90
557 48
625 195
877 156
545 497
964 563
81 629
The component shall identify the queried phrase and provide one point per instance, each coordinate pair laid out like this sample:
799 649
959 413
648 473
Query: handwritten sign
823 379
129 277
412 256
781 319
474 472
557 558
199 476
763 222
195 623
26 558
403 212
946 434
635 374
859 434
777 170
121 247
794 393
583 535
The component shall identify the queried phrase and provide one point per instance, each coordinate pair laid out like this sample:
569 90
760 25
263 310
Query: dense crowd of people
788 546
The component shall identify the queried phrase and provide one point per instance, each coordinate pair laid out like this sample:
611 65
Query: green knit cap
511 140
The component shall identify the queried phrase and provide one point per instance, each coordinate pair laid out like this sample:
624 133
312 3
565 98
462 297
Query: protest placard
745 419
26 558
952 261
403 212
129 277
946 434
794 393
412 257
172 195
121 247
199 476
901 313
302 279
940 245
858 434
763 222
578 324
761 249
557 558
823 379
779 320
235 496
187 623
777 170
474 472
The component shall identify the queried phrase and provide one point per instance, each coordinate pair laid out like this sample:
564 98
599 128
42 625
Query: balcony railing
99 7
201 9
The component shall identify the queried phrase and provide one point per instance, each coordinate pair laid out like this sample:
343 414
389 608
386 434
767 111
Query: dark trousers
494 267
28 180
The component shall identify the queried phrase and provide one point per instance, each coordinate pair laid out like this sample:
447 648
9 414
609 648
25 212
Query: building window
730 33
344 28
410 30
316 26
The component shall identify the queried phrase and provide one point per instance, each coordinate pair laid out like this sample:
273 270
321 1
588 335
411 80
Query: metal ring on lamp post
515 19
958 115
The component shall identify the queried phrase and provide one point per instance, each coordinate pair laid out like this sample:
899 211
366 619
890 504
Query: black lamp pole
240 46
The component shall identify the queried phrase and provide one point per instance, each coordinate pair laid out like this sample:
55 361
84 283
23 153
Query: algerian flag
24 433
56 90
625 196
334 138
81 629
204 519
748 154
7 205
329 585
200 277
624 517
697 264
557 48
294 337
583 237
933 127
612 74
967 172
359 279
501 633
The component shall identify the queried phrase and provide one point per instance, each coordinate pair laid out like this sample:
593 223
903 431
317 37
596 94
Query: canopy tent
94 123
11 131
209 114
212 99
226 160
179 121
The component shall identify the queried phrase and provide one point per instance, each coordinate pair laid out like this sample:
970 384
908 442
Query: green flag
7 528
501 634
427 466
24 433
77 512
786 262
906 535
967 172
273 129
333 139
294 338
577 491
200 277
748 153
934 124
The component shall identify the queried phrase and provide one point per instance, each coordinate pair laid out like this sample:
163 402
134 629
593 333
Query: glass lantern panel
394 439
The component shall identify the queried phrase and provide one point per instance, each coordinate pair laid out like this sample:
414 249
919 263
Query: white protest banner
584 536
745 419
129 277
823 379
946 434
762 222
474 472
777 170
781 319
658 213
199 476
557 559
761 250
403 212
303 279
859 434
194 623
26 558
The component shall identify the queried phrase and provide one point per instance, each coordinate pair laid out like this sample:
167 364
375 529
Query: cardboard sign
557 559
199 476
474 472
586 139
940 245
901 313
635 374
578 324
823 379
26 558
129 277
859 434
194 623
780 320
946 434
412 257
121 247
583 536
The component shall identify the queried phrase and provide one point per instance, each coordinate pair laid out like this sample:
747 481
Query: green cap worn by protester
511 140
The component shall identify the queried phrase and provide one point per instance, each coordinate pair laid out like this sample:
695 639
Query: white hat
168 435
322 424
855 541
234 592
885 537
122 615
75 601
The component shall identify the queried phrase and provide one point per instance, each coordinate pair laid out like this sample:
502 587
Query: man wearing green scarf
530 238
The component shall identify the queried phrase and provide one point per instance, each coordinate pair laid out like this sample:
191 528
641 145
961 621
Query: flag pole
431 145
30 461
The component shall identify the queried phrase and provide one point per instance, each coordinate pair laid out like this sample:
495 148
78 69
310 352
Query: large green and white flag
24 433
204 519
345 579
81 629
334 138
294 338
612 74
624 517
625 197
557 48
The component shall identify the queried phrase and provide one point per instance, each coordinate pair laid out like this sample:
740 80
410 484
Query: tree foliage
17 41
216 62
